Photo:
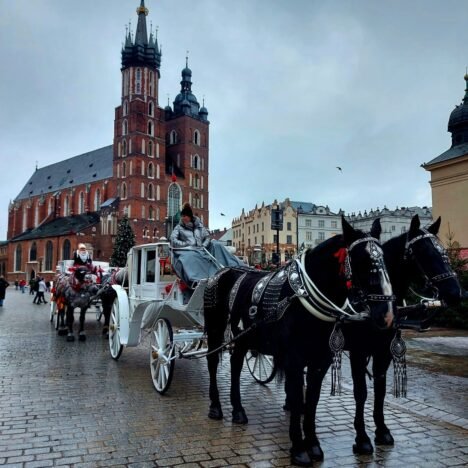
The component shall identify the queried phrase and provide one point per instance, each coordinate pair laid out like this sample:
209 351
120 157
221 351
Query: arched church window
125 108
150 170
150 148
124 148
97 200
124 190
151 213
150 128
124 169
150 192
196 162
174 199
151 109
173 137
66 250
138 81
33 252
18 257
196 137
125 127
81 205
49 253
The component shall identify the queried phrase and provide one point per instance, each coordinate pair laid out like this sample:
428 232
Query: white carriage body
154 293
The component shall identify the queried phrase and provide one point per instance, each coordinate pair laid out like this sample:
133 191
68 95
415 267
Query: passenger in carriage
196 255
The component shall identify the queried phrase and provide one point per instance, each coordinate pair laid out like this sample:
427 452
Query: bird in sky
339 168
222 214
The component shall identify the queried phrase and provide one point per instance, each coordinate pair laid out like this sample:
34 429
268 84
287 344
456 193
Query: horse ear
434 227
349 233
376 229
414 226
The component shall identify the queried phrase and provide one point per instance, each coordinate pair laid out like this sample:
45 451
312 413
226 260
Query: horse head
367 273
80 273
428 259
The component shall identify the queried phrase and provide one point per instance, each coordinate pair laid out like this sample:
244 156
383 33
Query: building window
18 259
49 256
196 162
196 137
81 203
66 206
124 190
150 192
174 199
151 83
125 108
124 127
196 201
288 227
124 148
173 137
309 236
33 252
308 223
66 250
393 228
334 224
151 109
151 213
97 200
321 236
124 169
150 148
196 181
150 128
321 223
403 229
51 205
151 170
289 239
138 81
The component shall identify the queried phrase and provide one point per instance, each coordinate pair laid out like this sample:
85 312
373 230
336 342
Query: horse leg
295 398
70 319
62 329
106 310
214 341
314 385
81 334
380 366
237 361
358 360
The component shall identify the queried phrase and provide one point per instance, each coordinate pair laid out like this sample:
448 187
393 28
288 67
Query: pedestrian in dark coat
3 285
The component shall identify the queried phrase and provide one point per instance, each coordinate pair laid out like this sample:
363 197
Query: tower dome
458 121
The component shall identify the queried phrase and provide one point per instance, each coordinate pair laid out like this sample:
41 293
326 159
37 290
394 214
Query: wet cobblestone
70 404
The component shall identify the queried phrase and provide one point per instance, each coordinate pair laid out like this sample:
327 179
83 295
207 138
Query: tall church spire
141 52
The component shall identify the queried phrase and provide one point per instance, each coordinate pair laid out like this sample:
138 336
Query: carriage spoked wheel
161 353
261 366
115 346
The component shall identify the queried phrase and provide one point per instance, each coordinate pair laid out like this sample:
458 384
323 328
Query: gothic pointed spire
141 36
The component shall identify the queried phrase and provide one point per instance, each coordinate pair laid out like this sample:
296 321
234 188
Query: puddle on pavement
439 350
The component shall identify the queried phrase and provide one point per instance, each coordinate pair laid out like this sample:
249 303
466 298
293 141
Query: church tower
160 155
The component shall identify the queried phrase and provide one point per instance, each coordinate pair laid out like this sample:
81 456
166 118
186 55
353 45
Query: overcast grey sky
294 88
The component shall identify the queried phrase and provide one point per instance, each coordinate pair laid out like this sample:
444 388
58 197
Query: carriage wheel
261 366
115 346
161 364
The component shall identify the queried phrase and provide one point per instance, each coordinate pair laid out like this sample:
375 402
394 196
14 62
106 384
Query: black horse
291 315
410 257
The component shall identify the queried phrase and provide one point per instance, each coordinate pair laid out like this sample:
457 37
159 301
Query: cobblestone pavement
70 404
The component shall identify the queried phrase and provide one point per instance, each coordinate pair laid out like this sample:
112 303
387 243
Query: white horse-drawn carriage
153 299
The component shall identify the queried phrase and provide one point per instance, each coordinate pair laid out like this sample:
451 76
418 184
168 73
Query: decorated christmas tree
124 241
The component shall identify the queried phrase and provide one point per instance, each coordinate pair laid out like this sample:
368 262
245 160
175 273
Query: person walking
36 289
3 285
41 289
22 285
32 286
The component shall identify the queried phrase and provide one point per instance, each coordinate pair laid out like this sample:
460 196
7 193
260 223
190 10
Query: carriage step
187 335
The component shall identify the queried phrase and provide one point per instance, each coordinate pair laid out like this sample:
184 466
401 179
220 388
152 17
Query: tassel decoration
398 350
336 343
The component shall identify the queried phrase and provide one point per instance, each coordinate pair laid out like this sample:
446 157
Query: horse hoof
62 332
215 413
384 438
315 452
70 337
301 458
239 417
363 447
82 337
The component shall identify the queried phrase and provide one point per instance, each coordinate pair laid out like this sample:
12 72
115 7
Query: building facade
393 222
449 180
159 159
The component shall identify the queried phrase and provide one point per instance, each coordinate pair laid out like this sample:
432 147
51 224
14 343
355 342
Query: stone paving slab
70 404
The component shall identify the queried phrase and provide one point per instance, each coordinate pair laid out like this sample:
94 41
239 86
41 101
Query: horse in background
410 257
291 314
75 290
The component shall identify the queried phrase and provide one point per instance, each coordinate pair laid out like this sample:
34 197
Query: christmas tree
124 241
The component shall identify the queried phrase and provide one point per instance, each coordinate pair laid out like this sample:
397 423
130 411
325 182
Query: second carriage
151 298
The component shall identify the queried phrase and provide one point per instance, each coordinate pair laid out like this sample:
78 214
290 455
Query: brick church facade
158 160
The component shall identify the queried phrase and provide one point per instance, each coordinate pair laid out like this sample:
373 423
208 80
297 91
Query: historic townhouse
158 160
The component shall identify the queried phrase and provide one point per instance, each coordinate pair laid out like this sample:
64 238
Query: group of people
40 288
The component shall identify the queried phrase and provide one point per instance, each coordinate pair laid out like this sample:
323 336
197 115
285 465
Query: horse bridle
430 281
376 253
322 307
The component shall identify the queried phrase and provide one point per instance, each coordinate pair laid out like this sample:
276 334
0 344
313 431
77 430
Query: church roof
60 227
82 169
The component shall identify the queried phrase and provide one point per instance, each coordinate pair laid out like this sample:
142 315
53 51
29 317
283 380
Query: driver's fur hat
187 211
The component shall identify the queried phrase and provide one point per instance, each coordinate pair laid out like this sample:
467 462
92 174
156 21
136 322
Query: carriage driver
82 257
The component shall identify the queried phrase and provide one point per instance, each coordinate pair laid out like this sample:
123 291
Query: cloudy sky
294 88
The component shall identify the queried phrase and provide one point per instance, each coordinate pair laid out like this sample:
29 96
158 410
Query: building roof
303 206
452 153
81 169
60 227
